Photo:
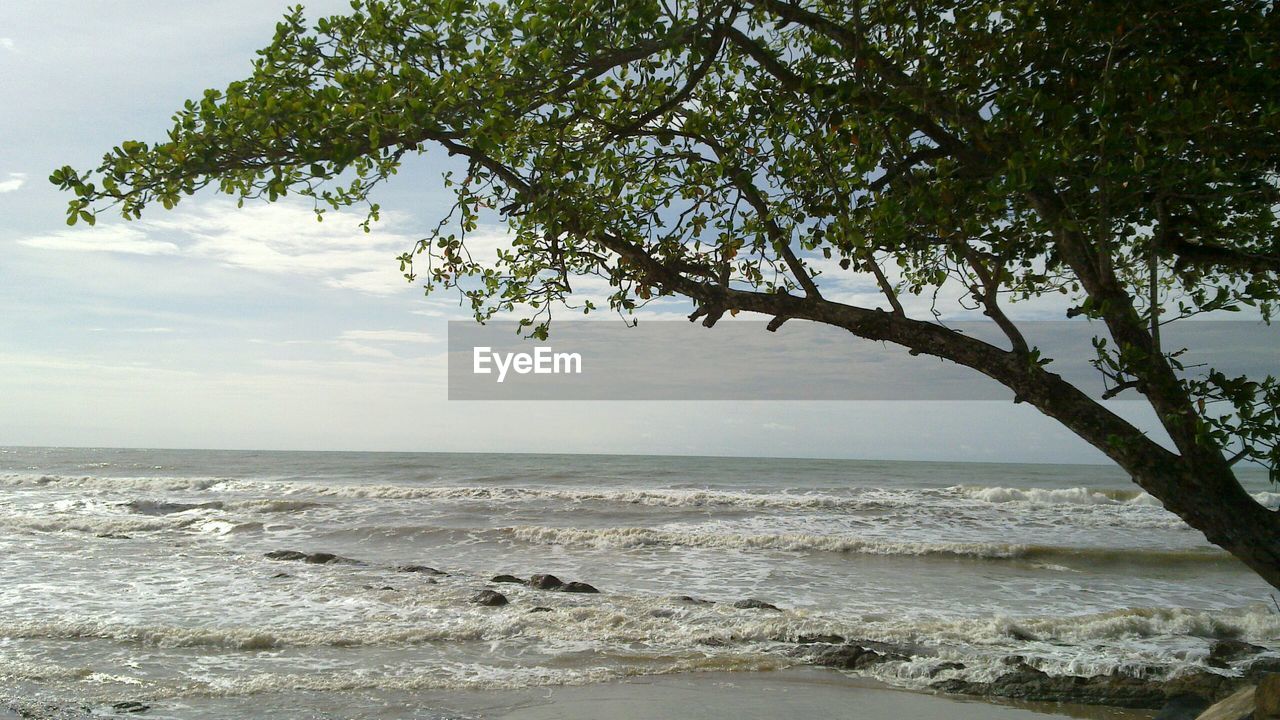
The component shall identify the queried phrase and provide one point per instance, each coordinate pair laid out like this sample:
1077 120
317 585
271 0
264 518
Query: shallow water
139 575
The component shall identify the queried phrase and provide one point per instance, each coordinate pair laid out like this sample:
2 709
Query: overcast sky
258 328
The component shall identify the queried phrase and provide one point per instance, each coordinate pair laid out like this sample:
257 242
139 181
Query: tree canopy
738 153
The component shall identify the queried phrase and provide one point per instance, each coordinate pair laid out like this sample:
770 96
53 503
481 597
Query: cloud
8 44
112 239
279 239
393 336
15 181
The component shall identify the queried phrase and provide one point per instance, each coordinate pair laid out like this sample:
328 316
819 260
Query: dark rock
848 657
544 582
540 608
1222 652
824 639
1261 667
753 604
662 613
131 706
578 587
489 598
419 569
321 558
285 555
1183 707
115 536
943 667
507 579
281 575
371 587
692 600
1024 682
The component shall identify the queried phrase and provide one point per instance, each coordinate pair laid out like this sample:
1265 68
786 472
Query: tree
1125 155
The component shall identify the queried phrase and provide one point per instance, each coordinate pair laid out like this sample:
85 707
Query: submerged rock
539 609
130 706
489 598
753 604
578 587
507 579
1222 652
321 558
545 582
115 536
285 555
419 569
688 600
823 639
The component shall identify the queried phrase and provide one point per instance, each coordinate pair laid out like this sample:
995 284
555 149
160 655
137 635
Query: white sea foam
633 537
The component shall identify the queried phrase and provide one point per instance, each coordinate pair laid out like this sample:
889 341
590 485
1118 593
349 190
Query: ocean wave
124 525
625 538
659 623
633 496
856 499
1077 496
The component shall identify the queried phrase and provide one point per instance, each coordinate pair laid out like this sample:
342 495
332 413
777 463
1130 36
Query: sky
258 328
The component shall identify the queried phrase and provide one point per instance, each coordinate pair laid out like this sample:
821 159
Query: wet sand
794 693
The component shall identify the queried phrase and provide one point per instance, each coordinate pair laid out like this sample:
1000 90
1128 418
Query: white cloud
144 331
394 336
8 44
15 181
278 238
113 239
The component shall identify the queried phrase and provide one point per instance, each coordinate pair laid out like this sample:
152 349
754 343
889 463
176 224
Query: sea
141 575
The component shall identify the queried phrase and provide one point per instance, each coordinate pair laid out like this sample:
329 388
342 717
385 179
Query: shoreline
797 692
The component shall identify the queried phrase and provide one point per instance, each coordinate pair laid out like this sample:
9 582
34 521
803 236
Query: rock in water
1028 683
130 706
507 579
545 582
321 558
285 555
489 598
820 639
1224 651
848 657
420 569
753 604
688 600
578 587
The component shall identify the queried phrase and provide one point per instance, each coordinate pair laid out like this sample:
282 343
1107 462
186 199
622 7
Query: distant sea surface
140 574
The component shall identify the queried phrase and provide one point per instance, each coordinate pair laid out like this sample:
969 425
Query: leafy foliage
1124 155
